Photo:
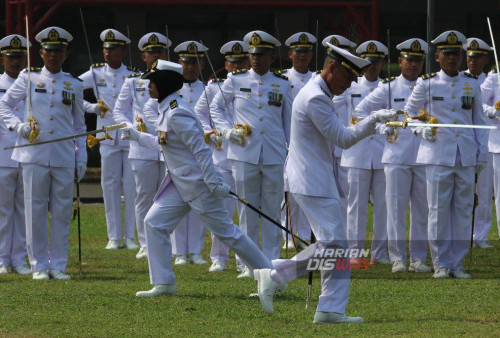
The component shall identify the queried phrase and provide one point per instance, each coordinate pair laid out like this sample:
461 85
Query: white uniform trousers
342 183
262 186
450 196
219 251
12 226
483 213
168 210
47 189
362 183
148 175
406 184
188 236
300 225
496 184
116 174
326 223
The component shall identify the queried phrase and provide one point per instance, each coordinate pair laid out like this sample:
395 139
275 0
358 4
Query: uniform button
453 96
260 82
371 89
142 94
51 117
113 85
248 95
259 95
259 106
16 108
114 75
371 137
51 105
51 131
457 134
452 109
261 118
262 131
190 90
114 95
452 84
411 87
53 91
190 101
53 80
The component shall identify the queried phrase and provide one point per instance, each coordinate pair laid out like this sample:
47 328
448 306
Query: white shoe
129 243
41 275
113 245
197 259
217 266
22 270
419 266
3 270
159 290
334 318
181 260
240 267
460 274
58 274
246 273
143 253
266 288
384 261
441 273
398 266
484 245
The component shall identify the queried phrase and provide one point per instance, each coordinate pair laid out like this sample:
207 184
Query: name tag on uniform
248 90
140 89
399 99
355 95
40 90
3 90
438 98
100 84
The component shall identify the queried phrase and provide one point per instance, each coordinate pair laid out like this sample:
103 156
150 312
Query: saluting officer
48 170
147 167
189 236
13 49
405 179
106 79
366 176
451 155
236 58
477 52
258 138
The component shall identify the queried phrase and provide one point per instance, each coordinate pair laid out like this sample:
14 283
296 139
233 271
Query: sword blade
450 125
104 129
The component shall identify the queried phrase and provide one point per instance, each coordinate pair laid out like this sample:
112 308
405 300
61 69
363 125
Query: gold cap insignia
255 39
303 39
53 35
474 45
191 48
237 49
451 39
371 48
15 42
415 46
40 85
153 39
334 41
109 35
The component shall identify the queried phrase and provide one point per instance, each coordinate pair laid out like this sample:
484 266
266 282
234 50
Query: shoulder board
428 76
34 69
133 69
318 71
392 78
281 71
470 75
97 65
173 104
135 75
278 74
493 69
239 71
218 79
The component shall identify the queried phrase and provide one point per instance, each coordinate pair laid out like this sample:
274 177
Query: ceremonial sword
104 129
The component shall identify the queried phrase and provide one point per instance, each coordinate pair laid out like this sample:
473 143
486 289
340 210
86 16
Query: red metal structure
360 14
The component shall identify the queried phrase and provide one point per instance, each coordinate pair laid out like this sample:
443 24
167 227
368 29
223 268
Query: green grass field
101 301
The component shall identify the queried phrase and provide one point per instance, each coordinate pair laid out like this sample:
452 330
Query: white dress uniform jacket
298 80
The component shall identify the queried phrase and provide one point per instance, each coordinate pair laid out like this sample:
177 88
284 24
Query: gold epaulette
173 104
493 69
133 69
239 71
34 69
319 71
392 78
97 65
278 74
218 79
135 75
428 76
470 75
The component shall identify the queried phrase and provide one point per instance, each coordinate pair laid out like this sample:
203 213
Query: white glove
81 168
233 135
480 166
221 190
427 134
24 130
384 115
386 130
130 133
